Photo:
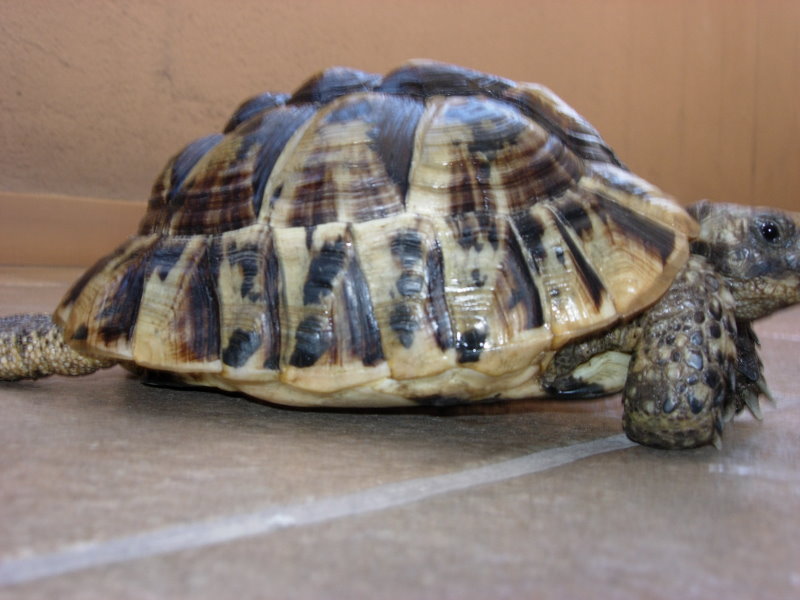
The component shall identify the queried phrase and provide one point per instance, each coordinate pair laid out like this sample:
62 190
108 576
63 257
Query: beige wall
701 97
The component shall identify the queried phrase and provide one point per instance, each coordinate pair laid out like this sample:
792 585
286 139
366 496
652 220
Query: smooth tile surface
158 491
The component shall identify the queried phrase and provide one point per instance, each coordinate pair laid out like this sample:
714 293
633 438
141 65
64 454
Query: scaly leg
682 382
32 346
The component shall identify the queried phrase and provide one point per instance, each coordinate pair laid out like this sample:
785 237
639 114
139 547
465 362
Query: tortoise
434 236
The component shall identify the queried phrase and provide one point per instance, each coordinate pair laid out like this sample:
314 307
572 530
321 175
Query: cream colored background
700 97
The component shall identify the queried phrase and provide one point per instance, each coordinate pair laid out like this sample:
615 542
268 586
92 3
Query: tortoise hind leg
593 367
32 346
681 385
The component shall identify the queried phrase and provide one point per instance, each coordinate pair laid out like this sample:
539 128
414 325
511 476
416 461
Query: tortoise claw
751 401
750 397
728 411
762 386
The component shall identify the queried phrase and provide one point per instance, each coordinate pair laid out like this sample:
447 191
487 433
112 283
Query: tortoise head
756 250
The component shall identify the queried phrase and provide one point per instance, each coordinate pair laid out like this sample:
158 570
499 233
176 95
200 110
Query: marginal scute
371 241
331 336
630 269
492 295
249 287
639 196
406 281
177 328
100 312
576 300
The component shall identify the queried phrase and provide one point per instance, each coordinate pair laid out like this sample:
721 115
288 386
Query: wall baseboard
54 230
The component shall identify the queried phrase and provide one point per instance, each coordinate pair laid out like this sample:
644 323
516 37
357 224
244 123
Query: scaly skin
683 370
31 346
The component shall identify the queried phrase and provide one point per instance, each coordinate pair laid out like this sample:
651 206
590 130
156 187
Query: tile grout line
199 534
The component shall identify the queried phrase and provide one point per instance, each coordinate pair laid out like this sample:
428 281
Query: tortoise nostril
793 261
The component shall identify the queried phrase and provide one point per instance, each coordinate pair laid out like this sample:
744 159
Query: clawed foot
695 368
750 382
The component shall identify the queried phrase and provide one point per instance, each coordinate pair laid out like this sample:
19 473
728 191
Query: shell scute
407 287
249 287
634 256
540 104
331 336
99 313
485 274
424 78
575 300
161 205
223 188
350 165
177 328
333 83
457 169
252 107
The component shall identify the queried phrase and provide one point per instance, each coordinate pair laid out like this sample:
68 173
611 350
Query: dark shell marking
431 223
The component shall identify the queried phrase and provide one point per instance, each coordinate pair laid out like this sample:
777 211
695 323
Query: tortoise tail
32 346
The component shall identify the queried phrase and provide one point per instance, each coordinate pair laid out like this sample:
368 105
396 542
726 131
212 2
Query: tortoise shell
437 232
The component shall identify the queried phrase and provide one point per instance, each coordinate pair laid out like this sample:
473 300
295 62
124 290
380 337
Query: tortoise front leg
750 382
681 385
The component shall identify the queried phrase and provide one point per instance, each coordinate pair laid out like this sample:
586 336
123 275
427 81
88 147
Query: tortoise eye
770 231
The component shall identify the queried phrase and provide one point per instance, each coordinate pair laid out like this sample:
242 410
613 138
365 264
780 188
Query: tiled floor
112 489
